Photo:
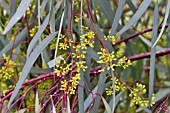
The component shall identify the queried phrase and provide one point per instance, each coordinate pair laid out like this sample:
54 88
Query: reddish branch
147 55
137 34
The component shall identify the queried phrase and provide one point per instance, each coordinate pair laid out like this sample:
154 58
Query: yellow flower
77 19
63 85
90 34
63 46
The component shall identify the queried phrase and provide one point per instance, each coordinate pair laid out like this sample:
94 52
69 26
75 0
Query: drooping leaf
92 54
19 13
37 35
21 111
161 93
117 17
148 43
100 90
37 105
107 107
52 63
167 83
89 99
153 53
18 39
106 9
29 63
81 92
141 10
164 22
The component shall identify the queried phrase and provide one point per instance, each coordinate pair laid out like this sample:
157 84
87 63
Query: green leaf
117 17
107 107
19 38
19 13
52 63
141 10
100 90
81 93
148 43
87 72
92 54
167 83
21 111
43 4
89 99
161 93
153 53
52 19
13 7
37 105
29 63
68 105
37 35
106 9
117 98
131 5
164 22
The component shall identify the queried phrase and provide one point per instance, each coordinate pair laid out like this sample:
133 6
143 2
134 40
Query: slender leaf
107 107
148 43
19 13
81 92
52 63
87 72
21 111
161 93
92 54
37 35
167 83
19 38
153 53
106 9
37 105
43 4
117 17
100 90
164 23
68 105
89 99
141 10
29 63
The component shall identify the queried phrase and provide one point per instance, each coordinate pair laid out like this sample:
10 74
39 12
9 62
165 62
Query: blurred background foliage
22 21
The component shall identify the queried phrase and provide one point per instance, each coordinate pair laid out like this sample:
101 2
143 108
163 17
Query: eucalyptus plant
94 56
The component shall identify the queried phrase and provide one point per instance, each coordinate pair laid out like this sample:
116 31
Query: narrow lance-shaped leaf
100 90
19 38
107 107
89 99
29 63
164 23
52 63
37 35
19 13
141 10
37 105
153 51
117 17
106 9
81 92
